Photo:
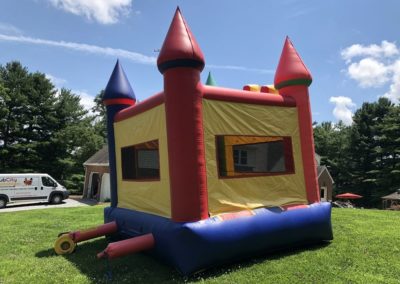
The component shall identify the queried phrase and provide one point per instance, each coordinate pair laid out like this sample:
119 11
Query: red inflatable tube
294 206
247 97
138 108
300 94
128 246
105 229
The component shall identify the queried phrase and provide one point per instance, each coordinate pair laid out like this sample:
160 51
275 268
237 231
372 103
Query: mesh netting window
141 161
241 156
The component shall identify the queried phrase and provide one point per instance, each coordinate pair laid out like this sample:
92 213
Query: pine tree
100 113
367 154
74 139
42 129
332 144
26 100
389 151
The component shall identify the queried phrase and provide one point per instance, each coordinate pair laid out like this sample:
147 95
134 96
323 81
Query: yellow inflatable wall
224 194
147 196
234 194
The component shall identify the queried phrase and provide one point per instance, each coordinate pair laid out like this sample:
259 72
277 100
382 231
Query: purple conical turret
118 95
118 90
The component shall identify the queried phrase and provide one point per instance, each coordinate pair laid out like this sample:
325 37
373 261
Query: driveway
70 202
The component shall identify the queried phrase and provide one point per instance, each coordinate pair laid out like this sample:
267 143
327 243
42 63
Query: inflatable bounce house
203 175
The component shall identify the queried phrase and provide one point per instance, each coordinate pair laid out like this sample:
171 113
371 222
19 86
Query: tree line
363 158
43 129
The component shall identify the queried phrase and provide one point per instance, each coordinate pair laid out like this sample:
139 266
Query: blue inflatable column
118 95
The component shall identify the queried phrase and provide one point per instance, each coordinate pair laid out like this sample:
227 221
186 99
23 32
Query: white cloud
102 11
394 90
299 12
342 110
9 29
115 52
56 81
386 49
241 68
375 66
369 72
86 98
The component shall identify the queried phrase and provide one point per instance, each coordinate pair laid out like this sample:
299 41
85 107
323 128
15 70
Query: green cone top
210 80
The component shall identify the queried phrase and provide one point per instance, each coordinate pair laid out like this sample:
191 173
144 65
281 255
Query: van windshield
46 181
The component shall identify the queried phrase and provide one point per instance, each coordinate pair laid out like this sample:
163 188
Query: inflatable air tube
66 242
129 246
102 230
195 246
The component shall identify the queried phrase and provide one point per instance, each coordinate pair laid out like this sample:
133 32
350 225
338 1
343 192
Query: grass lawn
366 249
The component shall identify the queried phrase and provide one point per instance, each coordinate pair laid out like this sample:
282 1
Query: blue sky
350 47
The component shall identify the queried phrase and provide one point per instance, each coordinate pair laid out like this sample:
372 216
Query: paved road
34 206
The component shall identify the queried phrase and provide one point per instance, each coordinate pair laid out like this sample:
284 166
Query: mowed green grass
366 249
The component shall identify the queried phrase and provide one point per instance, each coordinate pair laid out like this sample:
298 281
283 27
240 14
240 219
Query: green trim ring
303 81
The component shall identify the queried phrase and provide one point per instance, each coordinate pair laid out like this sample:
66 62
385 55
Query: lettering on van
8 182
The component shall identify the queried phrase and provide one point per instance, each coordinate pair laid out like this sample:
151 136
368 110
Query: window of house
241 156
141 161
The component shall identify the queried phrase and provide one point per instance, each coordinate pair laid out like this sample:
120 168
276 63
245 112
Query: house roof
321 169
393 196
100 158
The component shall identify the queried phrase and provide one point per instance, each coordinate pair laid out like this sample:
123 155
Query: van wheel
3 202
56 199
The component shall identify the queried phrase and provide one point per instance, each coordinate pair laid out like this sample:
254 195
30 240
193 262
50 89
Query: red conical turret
181 61
292 78
291 70
180 48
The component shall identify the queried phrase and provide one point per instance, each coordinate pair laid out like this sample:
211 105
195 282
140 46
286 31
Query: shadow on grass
243 263
32 204
86 201
142 268
137 268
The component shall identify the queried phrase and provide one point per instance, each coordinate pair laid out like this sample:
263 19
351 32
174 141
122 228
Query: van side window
46 181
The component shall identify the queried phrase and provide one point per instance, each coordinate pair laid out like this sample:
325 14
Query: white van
21 188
